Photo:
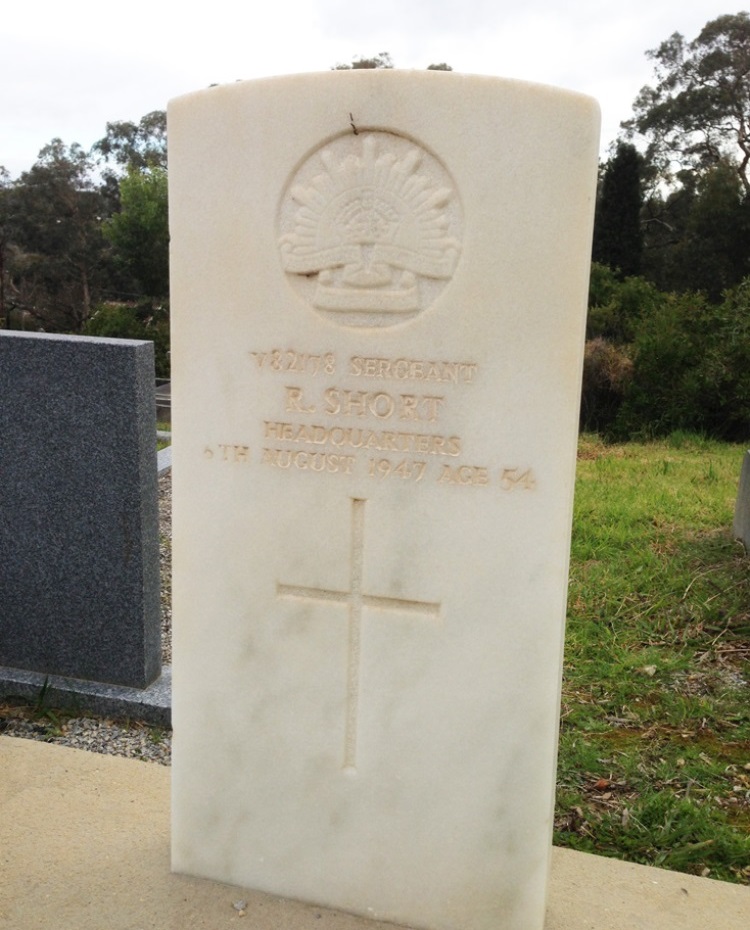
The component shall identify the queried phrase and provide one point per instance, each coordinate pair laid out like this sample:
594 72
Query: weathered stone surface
379 291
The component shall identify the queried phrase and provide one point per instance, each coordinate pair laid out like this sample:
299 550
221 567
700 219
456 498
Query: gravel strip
135 741
131 739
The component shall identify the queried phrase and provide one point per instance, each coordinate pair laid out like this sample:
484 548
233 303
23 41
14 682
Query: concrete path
84 845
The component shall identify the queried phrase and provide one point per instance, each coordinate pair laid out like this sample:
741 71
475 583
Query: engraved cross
356 600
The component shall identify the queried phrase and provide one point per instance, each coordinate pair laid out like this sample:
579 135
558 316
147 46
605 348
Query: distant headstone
163 401
379 292
741 525
79 556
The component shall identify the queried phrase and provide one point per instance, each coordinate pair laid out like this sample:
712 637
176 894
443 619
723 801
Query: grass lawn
163 443
654 762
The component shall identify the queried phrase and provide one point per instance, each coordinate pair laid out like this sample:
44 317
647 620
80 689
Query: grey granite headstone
79 537
741 524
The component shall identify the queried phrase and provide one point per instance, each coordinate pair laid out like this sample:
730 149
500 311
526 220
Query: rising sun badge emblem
370 229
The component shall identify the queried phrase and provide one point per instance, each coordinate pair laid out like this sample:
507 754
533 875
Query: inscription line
314 594
427 608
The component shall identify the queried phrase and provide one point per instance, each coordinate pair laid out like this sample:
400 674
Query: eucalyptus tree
697 113
57 213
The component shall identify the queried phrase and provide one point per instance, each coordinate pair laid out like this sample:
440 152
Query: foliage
697 115
667 390
654 762
656 362
691 368
698 236
75 230
127 321
694 121
607 372
59 257
140 230
716 247
135 146
617 305
618 237
381 60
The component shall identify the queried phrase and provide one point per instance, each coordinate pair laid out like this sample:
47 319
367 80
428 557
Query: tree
714 253
697 115
128 321
618 240
382 60
697 235
140 230
139 145
665 218
57 214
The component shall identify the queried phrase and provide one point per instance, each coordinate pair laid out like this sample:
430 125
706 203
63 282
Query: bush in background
616 306
691 369
607 372
141 321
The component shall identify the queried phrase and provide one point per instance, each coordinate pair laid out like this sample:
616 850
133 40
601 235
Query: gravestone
79 556
379 290
741 523
163 401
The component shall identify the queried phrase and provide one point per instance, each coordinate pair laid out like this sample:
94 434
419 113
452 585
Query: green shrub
691 369
607 372
725 366
616 306
125 321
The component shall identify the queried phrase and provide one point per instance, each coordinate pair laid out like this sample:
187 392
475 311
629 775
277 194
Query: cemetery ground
654 763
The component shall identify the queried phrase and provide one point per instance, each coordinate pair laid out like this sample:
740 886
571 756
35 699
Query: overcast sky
67 68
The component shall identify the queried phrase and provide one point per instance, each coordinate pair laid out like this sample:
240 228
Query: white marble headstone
378 300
